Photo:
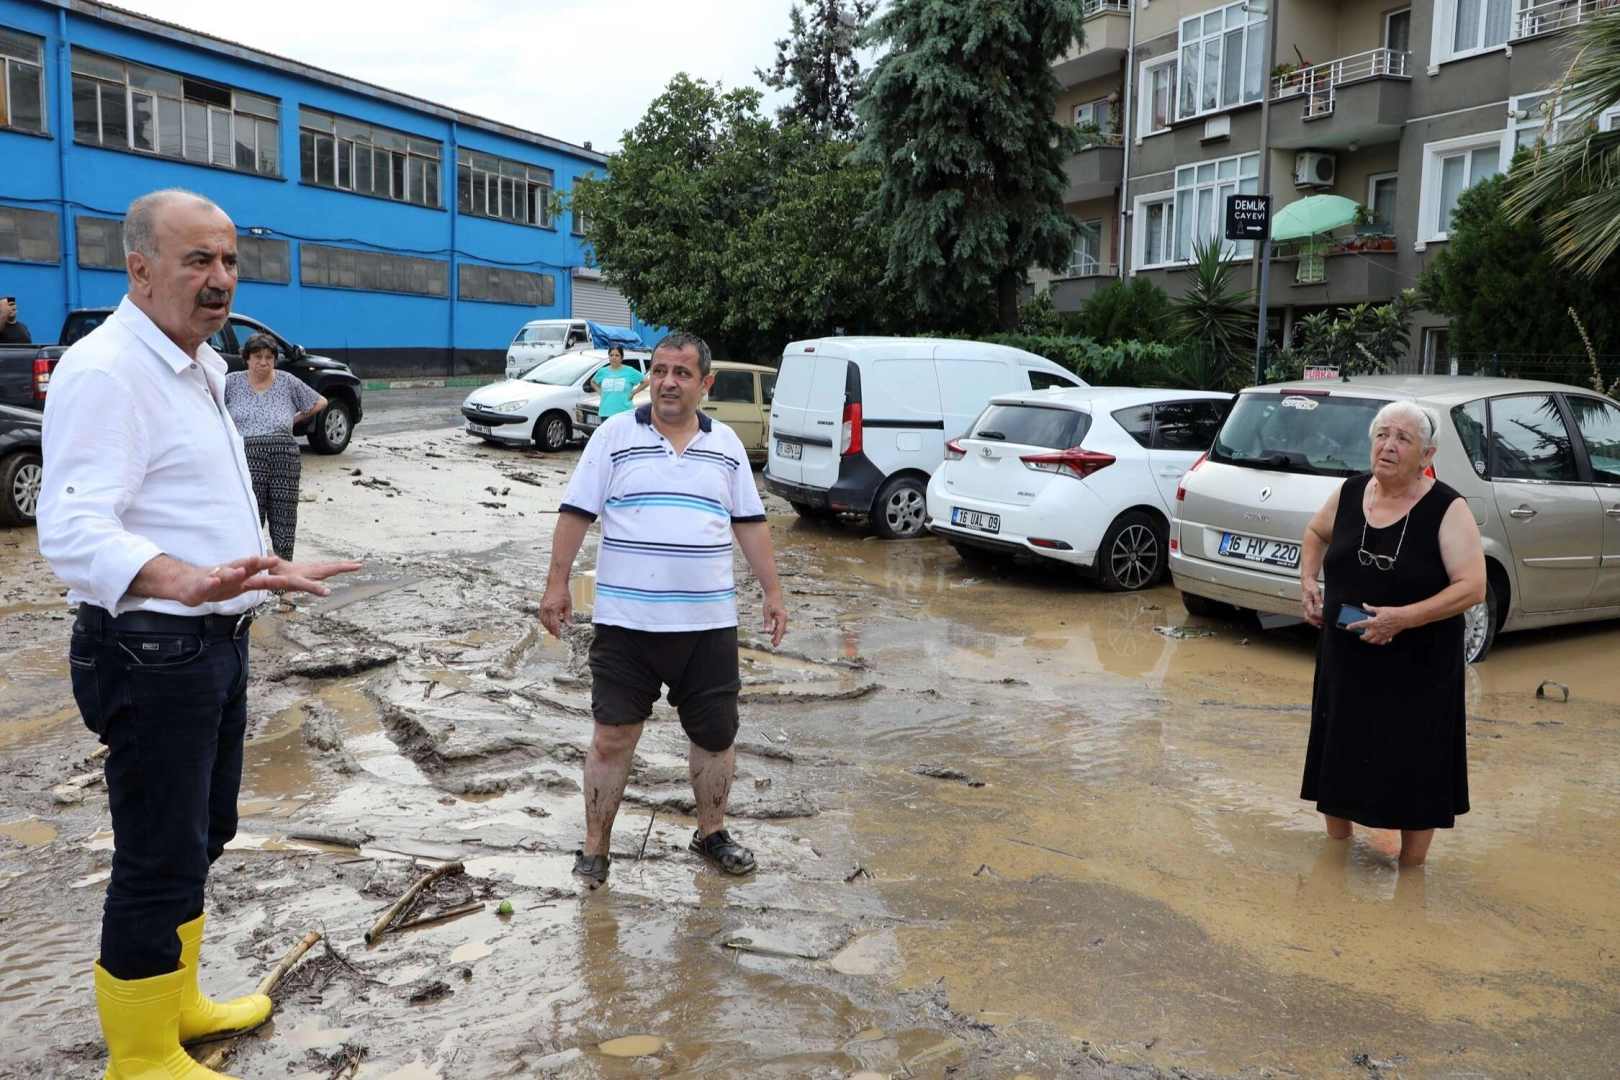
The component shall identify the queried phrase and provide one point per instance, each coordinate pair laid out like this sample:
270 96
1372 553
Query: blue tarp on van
603 336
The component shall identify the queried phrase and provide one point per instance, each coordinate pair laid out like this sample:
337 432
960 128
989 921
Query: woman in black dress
1387 715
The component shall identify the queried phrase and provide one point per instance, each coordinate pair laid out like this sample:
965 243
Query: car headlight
512 406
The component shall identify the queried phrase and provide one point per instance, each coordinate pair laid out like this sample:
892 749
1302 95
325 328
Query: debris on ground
944 772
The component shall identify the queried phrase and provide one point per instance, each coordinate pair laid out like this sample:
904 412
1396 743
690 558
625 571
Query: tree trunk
1007 286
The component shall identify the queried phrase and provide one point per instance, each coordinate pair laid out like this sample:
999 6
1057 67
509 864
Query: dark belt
100 622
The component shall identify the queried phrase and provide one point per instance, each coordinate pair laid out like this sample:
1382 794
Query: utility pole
1263 251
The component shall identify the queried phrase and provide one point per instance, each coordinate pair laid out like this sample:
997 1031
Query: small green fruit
505 908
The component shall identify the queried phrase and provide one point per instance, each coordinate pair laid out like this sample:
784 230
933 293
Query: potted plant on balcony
1369 222
1289 78
1091 134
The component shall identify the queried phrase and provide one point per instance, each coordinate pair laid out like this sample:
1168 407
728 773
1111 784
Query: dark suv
329 431
19 464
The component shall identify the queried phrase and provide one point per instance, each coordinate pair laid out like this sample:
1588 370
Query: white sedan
1085 476
538 408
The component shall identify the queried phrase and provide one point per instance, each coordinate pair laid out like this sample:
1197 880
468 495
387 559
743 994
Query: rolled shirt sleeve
95 452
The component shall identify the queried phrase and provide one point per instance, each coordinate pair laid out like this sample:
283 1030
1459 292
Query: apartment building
1397 106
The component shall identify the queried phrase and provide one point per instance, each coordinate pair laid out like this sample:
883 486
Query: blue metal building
402 236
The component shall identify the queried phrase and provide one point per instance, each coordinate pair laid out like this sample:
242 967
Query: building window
582 222
1092 112
502 286
1157 96
1156 231
101 242
375 271
1480 24
1544 119
260 258
22 82
1087 258
1436 351
336 152
1451 167
1220 60
1398 30
1201 192
29 235
508 190
1381 197
125 106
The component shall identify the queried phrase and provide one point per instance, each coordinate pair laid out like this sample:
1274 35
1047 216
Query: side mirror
298 352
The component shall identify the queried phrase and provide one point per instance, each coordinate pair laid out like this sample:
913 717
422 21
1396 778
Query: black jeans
172 709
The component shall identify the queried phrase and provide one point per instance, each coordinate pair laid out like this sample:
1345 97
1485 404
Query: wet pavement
1006 825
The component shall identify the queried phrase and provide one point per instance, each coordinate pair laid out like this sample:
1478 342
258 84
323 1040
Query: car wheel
1205 608
551 432
1479 627
1132 553
900 509
982 556
811 513
332 428
20 476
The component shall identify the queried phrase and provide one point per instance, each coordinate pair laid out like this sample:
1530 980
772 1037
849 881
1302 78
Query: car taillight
852 430
1073 461
1181 488
42 378
954 451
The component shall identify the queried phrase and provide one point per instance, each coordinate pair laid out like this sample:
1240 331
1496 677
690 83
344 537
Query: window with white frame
1543 118
22 82
1087 258
336 152
1221 56
1156 230
126 106
1465 27
1092 112
1451 167
1381 198
1157 96
495 187
1201 192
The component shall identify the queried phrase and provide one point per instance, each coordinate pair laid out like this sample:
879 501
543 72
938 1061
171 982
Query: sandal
592 867
719 848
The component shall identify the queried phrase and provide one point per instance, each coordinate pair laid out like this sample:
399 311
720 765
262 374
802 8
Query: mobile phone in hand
1349 613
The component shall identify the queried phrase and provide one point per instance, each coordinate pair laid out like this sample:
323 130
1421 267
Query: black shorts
629 668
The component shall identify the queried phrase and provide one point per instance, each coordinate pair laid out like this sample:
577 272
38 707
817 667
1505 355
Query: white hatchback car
538 408
1083 476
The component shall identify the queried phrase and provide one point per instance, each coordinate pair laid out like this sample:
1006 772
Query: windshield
1032 425
1318 434
552 335
564 370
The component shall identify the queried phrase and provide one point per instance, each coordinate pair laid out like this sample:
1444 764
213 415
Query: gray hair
680 339
1427 421
140 220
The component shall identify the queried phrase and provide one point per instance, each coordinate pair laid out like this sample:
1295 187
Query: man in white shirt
147 514
671 486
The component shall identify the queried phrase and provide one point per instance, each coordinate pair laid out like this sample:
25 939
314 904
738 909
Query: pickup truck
25 373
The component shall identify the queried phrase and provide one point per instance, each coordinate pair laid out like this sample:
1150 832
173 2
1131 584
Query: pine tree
817 62
960 114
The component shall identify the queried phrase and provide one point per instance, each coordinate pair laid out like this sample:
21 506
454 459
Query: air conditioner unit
1313 170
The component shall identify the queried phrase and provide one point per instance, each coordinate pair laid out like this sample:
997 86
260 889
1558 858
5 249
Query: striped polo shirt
665 561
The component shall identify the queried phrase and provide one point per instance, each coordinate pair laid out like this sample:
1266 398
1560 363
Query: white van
542 339
859 424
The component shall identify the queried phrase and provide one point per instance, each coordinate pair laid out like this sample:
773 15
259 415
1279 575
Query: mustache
213 296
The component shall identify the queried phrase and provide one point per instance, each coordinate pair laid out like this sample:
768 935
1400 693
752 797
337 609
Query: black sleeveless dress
1387 721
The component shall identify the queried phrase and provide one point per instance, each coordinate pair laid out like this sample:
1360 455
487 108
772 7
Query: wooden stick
216 1057
453 913
652 818
399 905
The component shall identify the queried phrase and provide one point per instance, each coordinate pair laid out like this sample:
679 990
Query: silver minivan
1538 462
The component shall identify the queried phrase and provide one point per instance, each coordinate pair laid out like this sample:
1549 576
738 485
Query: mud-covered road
1007 826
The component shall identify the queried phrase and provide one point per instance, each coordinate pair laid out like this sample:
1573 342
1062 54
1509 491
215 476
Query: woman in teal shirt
617 383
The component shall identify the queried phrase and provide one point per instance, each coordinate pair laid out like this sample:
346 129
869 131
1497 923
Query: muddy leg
607 767
1338 828
711 785
1415 846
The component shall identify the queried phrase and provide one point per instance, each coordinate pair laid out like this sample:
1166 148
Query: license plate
1257 550
480 429
972 519
789 451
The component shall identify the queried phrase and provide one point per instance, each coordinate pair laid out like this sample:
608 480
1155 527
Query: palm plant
1215 316
1573 187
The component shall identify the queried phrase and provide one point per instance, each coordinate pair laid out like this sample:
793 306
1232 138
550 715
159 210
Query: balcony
1079 283
1096 171
1107 39
1554 15
1359 99
1338 277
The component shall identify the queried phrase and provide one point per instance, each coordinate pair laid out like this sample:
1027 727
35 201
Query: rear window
1323 435
1032 425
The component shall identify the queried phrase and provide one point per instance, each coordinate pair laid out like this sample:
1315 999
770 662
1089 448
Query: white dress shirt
141 460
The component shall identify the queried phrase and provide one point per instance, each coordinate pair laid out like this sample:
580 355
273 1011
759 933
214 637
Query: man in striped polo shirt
671 486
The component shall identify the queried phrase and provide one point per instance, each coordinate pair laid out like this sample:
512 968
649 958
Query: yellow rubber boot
202 1019
140 1020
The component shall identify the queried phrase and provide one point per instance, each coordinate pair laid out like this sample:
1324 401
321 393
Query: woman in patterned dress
265 404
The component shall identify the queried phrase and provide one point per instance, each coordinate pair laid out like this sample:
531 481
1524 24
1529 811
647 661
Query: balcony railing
1082 267
1090 140
1318 81
1544 18
1098 7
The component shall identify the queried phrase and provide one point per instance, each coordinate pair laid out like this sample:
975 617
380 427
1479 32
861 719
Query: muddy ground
1007 826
